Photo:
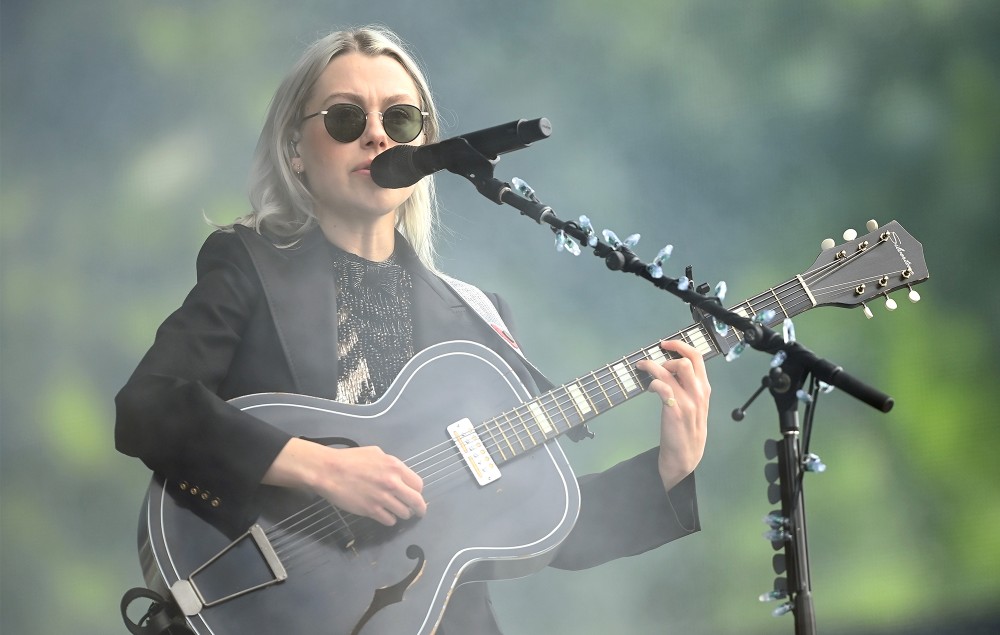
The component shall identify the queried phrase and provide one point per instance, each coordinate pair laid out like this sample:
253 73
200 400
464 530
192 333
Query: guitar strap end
163 617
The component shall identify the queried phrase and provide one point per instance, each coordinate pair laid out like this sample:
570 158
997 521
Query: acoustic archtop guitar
501 494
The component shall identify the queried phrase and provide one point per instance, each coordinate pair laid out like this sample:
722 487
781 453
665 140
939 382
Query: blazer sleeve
624 510
169 414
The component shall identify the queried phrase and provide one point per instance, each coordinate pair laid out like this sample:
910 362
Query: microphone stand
791 365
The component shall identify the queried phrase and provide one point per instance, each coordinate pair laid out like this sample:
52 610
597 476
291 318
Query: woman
291 299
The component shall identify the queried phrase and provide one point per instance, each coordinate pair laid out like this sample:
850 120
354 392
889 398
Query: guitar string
518 437
371 526
603 381
554 397
458 466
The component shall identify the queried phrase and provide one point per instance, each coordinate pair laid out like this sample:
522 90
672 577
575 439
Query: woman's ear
293 150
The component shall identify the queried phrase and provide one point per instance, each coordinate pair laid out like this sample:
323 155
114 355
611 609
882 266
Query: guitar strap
475 298
161 618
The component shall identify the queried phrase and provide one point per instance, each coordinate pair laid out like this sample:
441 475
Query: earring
297 166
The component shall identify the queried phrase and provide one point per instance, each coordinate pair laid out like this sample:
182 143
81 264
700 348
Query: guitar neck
573 404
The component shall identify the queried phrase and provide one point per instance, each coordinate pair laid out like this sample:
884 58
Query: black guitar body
350 576
347 574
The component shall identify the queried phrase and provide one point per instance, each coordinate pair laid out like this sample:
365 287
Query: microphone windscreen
394 168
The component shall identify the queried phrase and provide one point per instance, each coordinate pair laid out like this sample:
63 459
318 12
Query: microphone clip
467 162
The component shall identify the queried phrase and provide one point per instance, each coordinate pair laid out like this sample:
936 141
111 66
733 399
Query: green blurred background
742 132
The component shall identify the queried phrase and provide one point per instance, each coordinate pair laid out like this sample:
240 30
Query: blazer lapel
440 315
301 295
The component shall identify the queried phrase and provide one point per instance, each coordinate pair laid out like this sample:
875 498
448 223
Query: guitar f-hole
394 593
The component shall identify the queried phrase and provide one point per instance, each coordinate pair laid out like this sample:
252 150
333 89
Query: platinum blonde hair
282 205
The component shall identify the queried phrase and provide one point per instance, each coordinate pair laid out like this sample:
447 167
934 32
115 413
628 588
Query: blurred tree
727 129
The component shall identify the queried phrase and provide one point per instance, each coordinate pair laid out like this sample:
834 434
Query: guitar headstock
867 267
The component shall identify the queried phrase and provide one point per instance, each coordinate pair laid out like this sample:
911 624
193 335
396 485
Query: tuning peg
764 316
612 238
772 473
770 449
736 351
778 359
913 295
779 592
850 234
771 596
872 225
655 268
868 312
587 227
774 493
565 243
890 304
777 535
524 189
788 331
812 463
775 520
783 609
778 563
827 243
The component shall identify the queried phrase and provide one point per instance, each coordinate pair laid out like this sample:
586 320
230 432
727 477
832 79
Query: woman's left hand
683 386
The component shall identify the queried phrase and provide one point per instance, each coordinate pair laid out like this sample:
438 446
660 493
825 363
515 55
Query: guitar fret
496 442
555 402
517 437
780 305
601 386
613 371
590 395
635 374
522 419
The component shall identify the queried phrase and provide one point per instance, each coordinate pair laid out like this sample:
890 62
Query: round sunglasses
346 122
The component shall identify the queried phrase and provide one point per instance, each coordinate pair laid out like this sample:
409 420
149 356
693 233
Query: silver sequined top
374 325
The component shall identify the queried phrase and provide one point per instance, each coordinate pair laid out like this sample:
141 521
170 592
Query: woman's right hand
364 481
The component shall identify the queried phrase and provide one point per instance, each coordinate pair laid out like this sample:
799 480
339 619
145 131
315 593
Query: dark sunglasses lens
402 122
345 122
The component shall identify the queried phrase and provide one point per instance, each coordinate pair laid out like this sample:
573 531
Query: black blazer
262 319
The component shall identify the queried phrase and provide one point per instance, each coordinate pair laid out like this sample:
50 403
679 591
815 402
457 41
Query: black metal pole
791 468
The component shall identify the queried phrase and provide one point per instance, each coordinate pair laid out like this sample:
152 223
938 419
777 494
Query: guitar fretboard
573 404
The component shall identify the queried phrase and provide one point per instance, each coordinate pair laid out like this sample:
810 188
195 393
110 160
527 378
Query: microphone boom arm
467 162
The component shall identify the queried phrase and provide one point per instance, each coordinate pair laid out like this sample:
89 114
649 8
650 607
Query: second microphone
404 165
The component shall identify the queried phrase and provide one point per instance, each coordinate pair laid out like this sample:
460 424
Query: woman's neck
373 241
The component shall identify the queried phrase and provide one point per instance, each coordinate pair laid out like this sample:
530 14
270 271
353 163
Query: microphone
404 165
